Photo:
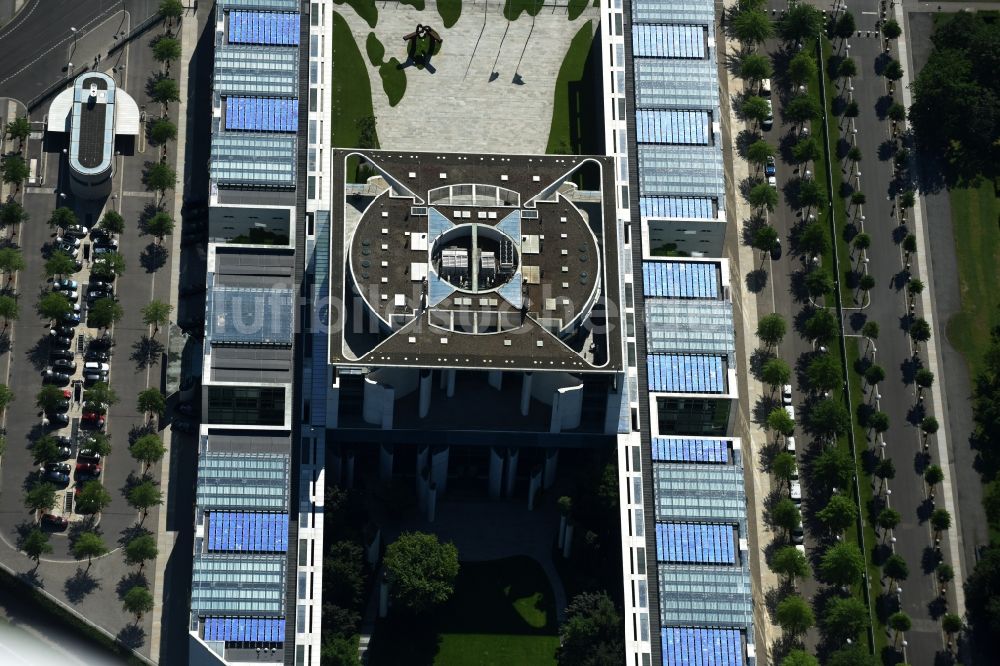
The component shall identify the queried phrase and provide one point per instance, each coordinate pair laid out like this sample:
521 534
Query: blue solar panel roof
245 629
251 317
695 543
677 127
262 114
668 41
230 531
678 449
680 279
682 373
248 27
684 646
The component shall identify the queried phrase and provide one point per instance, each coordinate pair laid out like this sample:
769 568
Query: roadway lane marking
23 17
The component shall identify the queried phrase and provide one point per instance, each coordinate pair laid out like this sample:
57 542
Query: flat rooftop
475 261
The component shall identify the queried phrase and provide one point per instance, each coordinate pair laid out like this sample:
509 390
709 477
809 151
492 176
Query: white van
790 410
790 444
765 87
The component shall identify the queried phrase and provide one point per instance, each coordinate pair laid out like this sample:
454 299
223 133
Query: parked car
776 250
52 377
61 341
790 444
94 294
94 377
95 366
63 468
104 249
87 455
769 120
765 87
97 355
52 521
71 250
60 407
91 467
786 394
769 167
64 452
795 492
772 181
790 410
96 283
58 478
68 240
58 419
107 241
75 231
65 285
798 536
61 355
105 342
93 420
71 317
63 440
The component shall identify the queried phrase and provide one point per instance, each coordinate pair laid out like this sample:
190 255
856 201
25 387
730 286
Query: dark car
97 355
93 420
60 341
105 343
65 285
90 378
61 407
52 521
769 168
86 455
54 377
64 365
61 355
63 330
65 452
798 536
58 478
95 294
98 283
71 317
62 468
57 419
776 250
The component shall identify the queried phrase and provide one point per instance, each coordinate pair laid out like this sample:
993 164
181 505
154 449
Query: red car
93 420
54 521
88 468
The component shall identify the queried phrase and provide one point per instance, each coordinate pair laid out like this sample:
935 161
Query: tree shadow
147 351
900 279
744 139
137 431
886 150
924 510
31 577
937 607
916 413
79 585
132 636
132 532
764 406
929 560
899 234
38 355
756 280
758 359
882 106
128 581
857 320
750 228
909 369
153 257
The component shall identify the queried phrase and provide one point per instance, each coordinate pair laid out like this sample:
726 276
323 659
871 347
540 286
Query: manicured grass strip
375 50
366 9
393 81
352 91
449 10
512 8
576 8
569 128
975 215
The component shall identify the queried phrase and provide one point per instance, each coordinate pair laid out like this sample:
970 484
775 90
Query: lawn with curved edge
449 11
575 117
366 9
512 8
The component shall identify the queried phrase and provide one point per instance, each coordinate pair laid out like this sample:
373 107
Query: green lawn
503 612
512 8
575 111
449 10
366 9
975 215
352 91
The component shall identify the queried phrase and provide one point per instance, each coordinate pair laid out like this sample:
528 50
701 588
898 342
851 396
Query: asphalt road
38 43
142 281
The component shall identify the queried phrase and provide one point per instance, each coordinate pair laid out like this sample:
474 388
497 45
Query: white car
790 444
772 181
786 394
801 548
765 87
795 492
790 410
70 240
94 366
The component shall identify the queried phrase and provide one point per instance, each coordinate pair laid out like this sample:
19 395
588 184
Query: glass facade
693 416
246 405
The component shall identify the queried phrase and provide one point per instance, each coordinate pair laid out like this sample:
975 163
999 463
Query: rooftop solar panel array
679 84
249 27
668 41
245 629
256 70
679 127
692 208
683 646
695 543
230 531
674 12
680 279
678 449
270 5
262 114
253 160
681 373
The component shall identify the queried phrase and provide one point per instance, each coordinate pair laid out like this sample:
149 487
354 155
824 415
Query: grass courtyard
503 612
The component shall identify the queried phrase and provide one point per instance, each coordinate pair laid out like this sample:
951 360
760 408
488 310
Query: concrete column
385 456
439 467
512 455
562 531
373 547
534 486
349 472
388 406
450 379
383 597
425 392
495 379
423 458
432 493
555 419
525 393
496 472
551 463
568 542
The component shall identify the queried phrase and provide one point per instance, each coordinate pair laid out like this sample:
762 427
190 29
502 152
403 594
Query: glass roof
689 326
251 317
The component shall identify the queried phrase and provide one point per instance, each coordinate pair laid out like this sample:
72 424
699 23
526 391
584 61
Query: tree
821 327
843 618
783 467
945 574
36 544
800 22
89 545
933 475
847 68
45 449
137 601
60 263
54 305
894 568
923 378
162 130
814 239
771 329
838 514
788 561
112 222
591 633
879 422
870 330
755 108
896 112
845 26
104 312
156 314
99 443
19 129
421 571
874 375
794 615
63 217
802 108
785 515
885 469
891 29
99 397
143 496
806 150
93 498
151 401
842 564
819 282
858 198
862 242
765 239
9 310
160 225
140 550
775 372
164 91
920 330
338 650
12 214
752 27
780 422
762 196
160 178
171 9
940 520
823 373
148 450
929 425
910 244
809 193
15 170
829 419
49 397
906 200
914 287
759 152
166 49
40 497
754 67
11 260
899 622
852 655
854 154
109 265
833 468
952 624
802 68
799 657
893 70
888 519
